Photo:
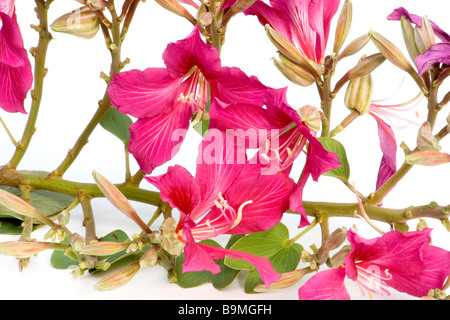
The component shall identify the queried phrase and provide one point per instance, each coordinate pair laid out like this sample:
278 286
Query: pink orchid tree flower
226 196
285 136
16 77
164 99
305 23
436 53
405 262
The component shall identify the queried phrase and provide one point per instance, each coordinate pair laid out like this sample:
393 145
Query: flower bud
358 96
427 158
424 36
149 258
294 72
409 37
334 240
81 22
354 46
286 280
174 7
23 249
310 116
119 200
119 278
343 26
426 140
287 49
103 248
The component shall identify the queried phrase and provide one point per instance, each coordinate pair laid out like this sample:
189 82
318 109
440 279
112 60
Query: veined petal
179 188
325 285
268 274
12 52
437 53
155 140
269 196
180 57
145 93
7 6
296 198
233 85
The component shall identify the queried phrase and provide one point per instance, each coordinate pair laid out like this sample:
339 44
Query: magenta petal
156 140
232 85
296 198
144 93
197 258
270 199
268 274
178 187
437 53
7 6
16 77
325 285
180 57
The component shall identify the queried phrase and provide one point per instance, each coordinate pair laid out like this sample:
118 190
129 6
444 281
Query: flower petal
437 53
155 140
325 285
180 57
144 93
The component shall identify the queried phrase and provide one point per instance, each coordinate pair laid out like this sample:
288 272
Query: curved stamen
373 280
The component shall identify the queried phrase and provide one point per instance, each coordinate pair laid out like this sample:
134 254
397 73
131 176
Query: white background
73 87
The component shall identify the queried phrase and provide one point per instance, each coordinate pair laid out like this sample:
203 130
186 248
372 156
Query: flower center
226 219
373 279
196 93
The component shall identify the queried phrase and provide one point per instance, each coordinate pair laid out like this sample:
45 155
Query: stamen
239 214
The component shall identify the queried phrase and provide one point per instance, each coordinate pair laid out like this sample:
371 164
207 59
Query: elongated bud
358 96
343 26
424 35
365 66
16 204
427 158
426 140
103 248
286 280
174 7
119 278
334 240
354 47
23 249
294 72
409 37
310 116
119 200
81 22
287 49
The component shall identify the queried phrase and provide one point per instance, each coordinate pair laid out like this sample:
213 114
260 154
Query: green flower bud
343 26
81 22
358 96
426 140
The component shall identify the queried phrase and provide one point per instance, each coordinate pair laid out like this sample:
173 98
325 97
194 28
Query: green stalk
40 71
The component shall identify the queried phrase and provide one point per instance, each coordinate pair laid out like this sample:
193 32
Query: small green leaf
190 279
263 244
118 124
10 226
343 172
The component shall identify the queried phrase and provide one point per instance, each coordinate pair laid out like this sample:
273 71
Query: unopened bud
294 72
149 258
113 194
427 158
82 23
339 258
102 265
354 46
286 280
204 16
286 48
174 7
334 240
343 26
119 278
426 140
23 249
421 225
358 96
409 37
103 248
310 116
424 36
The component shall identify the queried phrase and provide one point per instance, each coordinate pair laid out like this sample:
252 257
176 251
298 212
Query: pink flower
405 262
305 23
164 99
15 69
225 197
286 136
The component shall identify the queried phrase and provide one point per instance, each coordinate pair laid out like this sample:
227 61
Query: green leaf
118 124
263 244
227 274
60 260
10 226
47 202
343 172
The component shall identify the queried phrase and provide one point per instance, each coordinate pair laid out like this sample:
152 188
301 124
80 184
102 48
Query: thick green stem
326 105
40 71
